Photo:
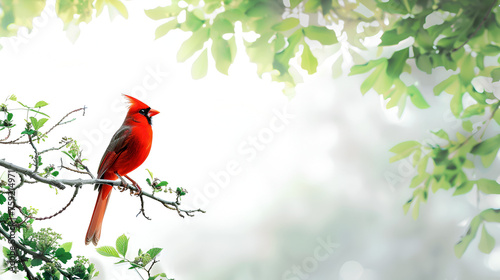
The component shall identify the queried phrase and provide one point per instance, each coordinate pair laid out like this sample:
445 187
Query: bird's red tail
94 231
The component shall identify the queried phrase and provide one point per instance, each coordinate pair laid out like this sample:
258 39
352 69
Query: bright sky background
319 175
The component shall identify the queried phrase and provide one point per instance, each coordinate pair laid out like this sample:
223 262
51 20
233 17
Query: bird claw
124 186
137 192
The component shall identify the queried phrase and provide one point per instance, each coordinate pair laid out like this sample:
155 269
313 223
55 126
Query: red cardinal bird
128 149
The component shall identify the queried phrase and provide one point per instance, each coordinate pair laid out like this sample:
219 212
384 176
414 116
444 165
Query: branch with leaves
32 249
144 261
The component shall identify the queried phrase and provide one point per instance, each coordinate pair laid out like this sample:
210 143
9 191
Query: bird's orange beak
153 112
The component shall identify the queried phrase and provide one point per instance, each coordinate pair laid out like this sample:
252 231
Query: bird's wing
116 146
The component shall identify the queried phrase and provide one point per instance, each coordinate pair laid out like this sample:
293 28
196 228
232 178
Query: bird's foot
138 190
124 186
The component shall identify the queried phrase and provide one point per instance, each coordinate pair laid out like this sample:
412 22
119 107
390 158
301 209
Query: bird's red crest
134 102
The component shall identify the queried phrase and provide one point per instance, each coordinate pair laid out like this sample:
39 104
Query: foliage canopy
288 39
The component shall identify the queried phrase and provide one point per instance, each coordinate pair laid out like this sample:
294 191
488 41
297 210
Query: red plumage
127 150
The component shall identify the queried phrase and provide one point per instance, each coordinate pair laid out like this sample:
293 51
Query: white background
323 176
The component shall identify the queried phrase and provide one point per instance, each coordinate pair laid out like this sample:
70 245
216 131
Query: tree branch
32 253
62 183
477 28
15 141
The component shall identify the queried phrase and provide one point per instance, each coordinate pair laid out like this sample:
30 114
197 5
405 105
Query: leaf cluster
141 261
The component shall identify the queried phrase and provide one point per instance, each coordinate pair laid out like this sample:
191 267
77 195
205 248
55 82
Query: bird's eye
142 111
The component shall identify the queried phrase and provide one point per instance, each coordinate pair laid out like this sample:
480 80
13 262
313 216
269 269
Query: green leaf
467 70
36 262
464 188
221 26
396 63
162 183
223 51
312 6
122 244
193 44
41 122
491 215
488 186
309 61
424 39
416 209
282 59
6 252
473 110
337 67
107 251
487 160
462 245
369 82
62 255
153 252
424 63
480 61
286 24
163 29
13 97
9 116
416 98
34 122
120 7
260 10
164 12
467 125
418 179
99 6
38 112
495 74
67 246
441 134
200 66
40 104
2 199
363 68
444 85
456 105
150 174
487 146
392 37
487 242
293 4
192 22
404 146
320 33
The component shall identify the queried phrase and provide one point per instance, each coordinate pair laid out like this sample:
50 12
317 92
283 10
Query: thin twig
75 193
36 153
73 170
8 135
15 141
61 121
62 183
55 148
477 28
